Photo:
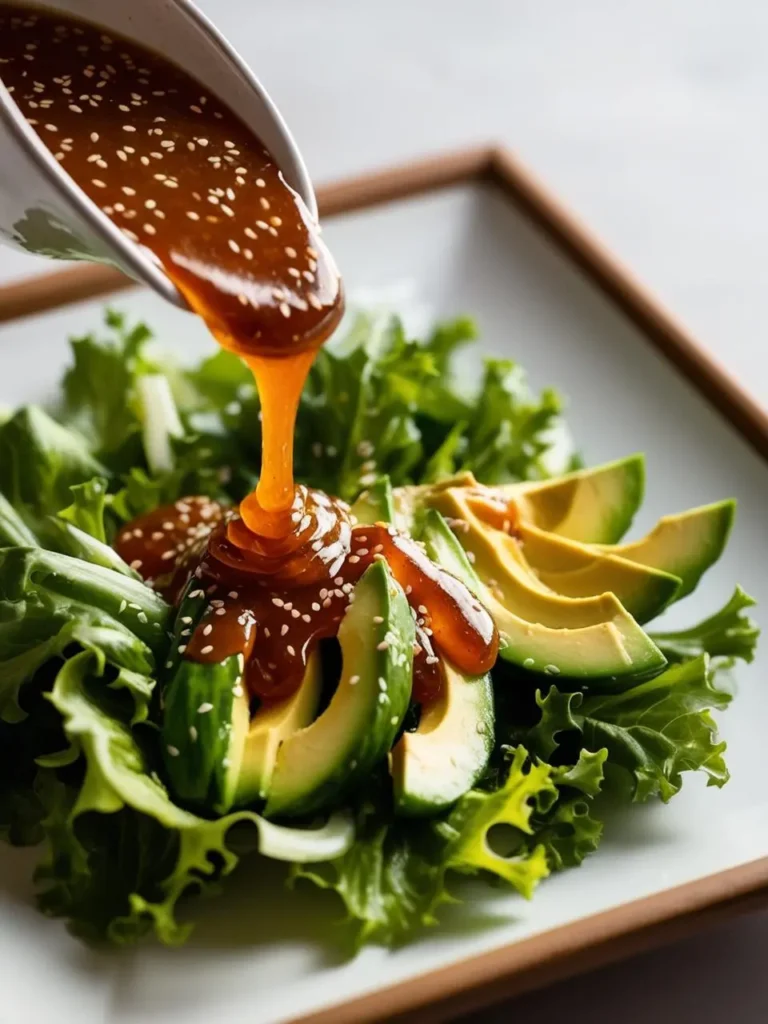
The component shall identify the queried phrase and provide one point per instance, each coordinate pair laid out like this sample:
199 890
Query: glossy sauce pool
180 174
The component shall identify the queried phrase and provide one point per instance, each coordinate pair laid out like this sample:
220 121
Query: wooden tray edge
586 944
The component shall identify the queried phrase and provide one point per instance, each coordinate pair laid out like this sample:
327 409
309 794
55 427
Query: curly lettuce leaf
89 502
727 634
568 830
510 430
378 402
394 878
121 853
653 731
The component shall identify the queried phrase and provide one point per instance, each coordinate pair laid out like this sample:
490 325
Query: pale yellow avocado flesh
594 505
613 645
686 544
435 765
499 561
574 569
271 726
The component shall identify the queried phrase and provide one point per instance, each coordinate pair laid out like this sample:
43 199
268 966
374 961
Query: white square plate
261 954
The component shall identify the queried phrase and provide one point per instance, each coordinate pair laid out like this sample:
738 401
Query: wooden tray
636 925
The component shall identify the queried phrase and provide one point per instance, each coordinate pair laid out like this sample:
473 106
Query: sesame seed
284 629
291 651
98 183
193 733
208 630
205 708
173 751
207 649
128 128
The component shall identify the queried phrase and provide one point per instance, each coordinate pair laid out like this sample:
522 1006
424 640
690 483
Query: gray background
648 117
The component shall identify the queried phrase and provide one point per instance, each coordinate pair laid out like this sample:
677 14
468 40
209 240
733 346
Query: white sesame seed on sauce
207 649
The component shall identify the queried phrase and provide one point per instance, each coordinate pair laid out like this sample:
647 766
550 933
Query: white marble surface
647 116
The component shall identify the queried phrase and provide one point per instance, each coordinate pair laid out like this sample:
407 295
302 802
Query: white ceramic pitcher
43 211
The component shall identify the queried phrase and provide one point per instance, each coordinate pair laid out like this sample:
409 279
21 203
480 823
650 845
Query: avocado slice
317 766
596 505
686 544
272 725
579 570
375 504
500 563
446 755
611 645
205 721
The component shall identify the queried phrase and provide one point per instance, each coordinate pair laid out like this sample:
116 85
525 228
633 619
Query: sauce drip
276 626
181 175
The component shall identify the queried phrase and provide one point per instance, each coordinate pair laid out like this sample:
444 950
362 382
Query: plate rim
592 941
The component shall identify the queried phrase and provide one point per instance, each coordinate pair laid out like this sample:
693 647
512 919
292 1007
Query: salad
144 777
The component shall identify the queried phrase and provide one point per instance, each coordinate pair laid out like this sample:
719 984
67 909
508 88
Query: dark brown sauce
180 174
276 625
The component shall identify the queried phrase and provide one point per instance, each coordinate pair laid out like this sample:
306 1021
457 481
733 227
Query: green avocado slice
205 721
686 544
611 645
595 505
446 755
573 569
317 766
272 725
449 751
